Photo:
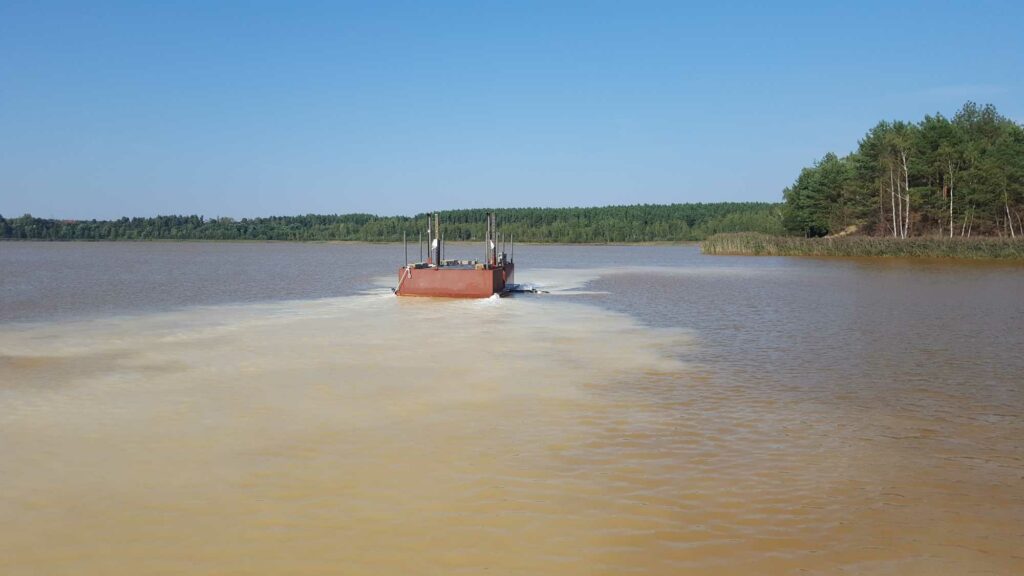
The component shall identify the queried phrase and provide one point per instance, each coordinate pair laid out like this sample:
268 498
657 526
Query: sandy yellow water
375 435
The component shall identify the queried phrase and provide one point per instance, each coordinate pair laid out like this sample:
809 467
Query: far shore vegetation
610 224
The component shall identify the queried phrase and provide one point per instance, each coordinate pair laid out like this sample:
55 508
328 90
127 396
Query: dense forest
954 177
639 223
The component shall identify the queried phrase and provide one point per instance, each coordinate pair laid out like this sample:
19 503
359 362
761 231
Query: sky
253 108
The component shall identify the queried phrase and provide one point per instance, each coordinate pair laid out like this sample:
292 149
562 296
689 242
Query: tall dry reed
753 244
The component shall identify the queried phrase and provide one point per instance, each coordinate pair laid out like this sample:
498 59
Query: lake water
204 408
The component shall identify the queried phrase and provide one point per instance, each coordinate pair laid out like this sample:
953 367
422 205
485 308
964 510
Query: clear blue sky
258 108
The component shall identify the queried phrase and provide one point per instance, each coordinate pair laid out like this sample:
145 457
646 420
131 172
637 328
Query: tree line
954 177
637 223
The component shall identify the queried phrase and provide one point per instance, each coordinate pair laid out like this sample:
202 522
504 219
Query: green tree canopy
956 176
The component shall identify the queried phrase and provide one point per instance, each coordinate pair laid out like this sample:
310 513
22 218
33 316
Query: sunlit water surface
272 409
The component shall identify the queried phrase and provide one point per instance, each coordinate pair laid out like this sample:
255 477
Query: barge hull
454 282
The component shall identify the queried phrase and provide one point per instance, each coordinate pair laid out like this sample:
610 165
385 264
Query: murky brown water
659 412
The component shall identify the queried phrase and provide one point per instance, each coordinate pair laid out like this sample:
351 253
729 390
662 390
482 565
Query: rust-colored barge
442 278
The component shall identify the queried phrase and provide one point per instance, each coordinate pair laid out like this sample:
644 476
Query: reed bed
753 244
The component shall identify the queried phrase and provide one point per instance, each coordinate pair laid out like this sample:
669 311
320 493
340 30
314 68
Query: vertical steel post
494 239
405 242
437 236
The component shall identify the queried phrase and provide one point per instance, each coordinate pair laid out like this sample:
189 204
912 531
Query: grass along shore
753 244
